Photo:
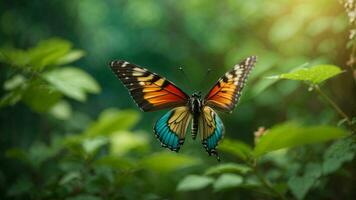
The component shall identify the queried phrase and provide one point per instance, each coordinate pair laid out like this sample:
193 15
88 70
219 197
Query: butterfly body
153 92
195 108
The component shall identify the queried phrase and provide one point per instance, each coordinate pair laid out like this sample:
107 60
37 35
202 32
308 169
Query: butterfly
152 92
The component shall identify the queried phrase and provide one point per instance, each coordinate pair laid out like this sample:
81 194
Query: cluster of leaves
105 161
42 75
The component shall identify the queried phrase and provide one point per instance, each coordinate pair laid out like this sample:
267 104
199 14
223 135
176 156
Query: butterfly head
196 95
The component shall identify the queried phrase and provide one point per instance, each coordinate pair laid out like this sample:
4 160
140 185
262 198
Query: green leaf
14 82
122 142
14 57
237 148
91 145
194 182
40 152
51 52
291 134
168 161
315 74
72 82
11 98
47 53
337 154
228 167
61 110
227 181
69 177
41 97
300 185
112 120
70 57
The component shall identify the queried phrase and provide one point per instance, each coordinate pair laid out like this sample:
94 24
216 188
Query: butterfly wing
149 90
170 129
211 130
226 92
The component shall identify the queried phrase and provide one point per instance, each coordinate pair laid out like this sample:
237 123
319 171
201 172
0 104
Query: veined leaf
291 134
301 184
194 182
72 82
315 74
338 153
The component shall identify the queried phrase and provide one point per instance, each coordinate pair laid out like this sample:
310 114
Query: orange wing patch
150 91
227 91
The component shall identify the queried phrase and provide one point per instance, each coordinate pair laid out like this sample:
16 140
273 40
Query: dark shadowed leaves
300 185
337 154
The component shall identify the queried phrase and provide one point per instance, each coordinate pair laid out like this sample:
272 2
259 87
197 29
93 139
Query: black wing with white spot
149 90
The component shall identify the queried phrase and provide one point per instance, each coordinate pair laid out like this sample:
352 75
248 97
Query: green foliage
291 135
41 80
72 82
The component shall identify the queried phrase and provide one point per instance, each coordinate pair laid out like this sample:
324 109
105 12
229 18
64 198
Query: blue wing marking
170 128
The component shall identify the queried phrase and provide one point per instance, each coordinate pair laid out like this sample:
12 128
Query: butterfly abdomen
195 109
195 126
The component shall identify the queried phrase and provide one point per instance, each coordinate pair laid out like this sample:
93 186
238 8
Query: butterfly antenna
186 77
205 78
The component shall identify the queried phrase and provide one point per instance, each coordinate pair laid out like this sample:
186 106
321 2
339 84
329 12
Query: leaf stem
334 105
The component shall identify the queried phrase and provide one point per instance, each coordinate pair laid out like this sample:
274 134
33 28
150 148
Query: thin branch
333 105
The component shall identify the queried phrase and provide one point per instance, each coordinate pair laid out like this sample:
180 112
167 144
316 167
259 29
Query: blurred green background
75 133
